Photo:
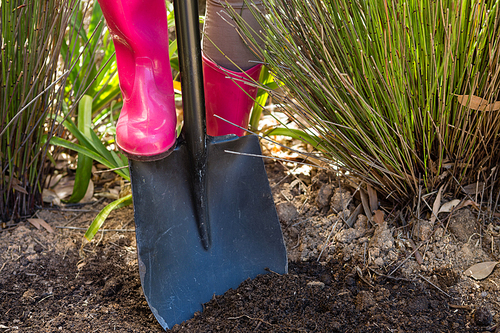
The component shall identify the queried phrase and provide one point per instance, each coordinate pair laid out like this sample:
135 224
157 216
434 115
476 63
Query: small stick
271 271
275 158
406 259
327 239
419 258
390 277
462 307
432 284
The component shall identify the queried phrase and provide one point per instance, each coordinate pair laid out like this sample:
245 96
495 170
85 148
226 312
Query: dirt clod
483 317
463 226
287 212
324 195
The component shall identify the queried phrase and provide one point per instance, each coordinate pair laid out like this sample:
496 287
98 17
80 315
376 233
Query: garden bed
366 279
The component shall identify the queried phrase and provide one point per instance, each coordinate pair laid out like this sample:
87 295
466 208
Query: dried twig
432 284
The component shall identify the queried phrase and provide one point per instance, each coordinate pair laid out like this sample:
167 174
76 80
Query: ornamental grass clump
32 33
404 94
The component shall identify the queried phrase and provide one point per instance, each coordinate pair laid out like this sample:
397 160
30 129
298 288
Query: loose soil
359 278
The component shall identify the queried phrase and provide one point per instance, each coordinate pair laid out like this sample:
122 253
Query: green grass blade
84 165
297 134
104 213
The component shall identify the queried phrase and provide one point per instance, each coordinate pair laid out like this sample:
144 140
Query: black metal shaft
193 100
189 46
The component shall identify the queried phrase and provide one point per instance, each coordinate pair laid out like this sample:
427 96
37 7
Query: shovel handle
190 63
193 100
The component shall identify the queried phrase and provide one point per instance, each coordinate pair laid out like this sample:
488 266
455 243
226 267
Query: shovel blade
177 273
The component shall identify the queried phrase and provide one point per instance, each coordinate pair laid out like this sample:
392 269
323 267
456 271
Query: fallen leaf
372 195
90 192
51 197
64 188
478 103
473 188
366 204
481 270
354 216
467 203
437 204
16 185
448 206
37 223
53 180
378 217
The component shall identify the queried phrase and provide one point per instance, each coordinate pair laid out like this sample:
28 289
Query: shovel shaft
190 62
193 100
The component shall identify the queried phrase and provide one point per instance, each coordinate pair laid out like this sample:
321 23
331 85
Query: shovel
205 217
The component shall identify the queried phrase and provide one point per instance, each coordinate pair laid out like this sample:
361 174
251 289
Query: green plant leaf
267 80
109 93
84 165
297 134
104 213
92 154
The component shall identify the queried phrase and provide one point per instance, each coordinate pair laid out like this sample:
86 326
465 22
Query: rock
293 232
463 225
483 317
348 235
111 287
33 257
470 254
364 300
287 212
324 195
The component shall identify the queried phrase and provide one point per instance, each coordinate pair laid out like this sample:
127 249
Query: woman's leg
225 54
146 128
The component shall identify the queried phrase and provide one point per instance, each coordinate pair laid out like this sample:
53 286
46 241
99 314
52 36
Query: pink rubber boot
146 127
228 96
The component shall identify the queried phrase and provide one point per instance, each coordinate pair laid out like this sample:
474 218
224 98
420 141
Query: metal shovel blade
177 273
